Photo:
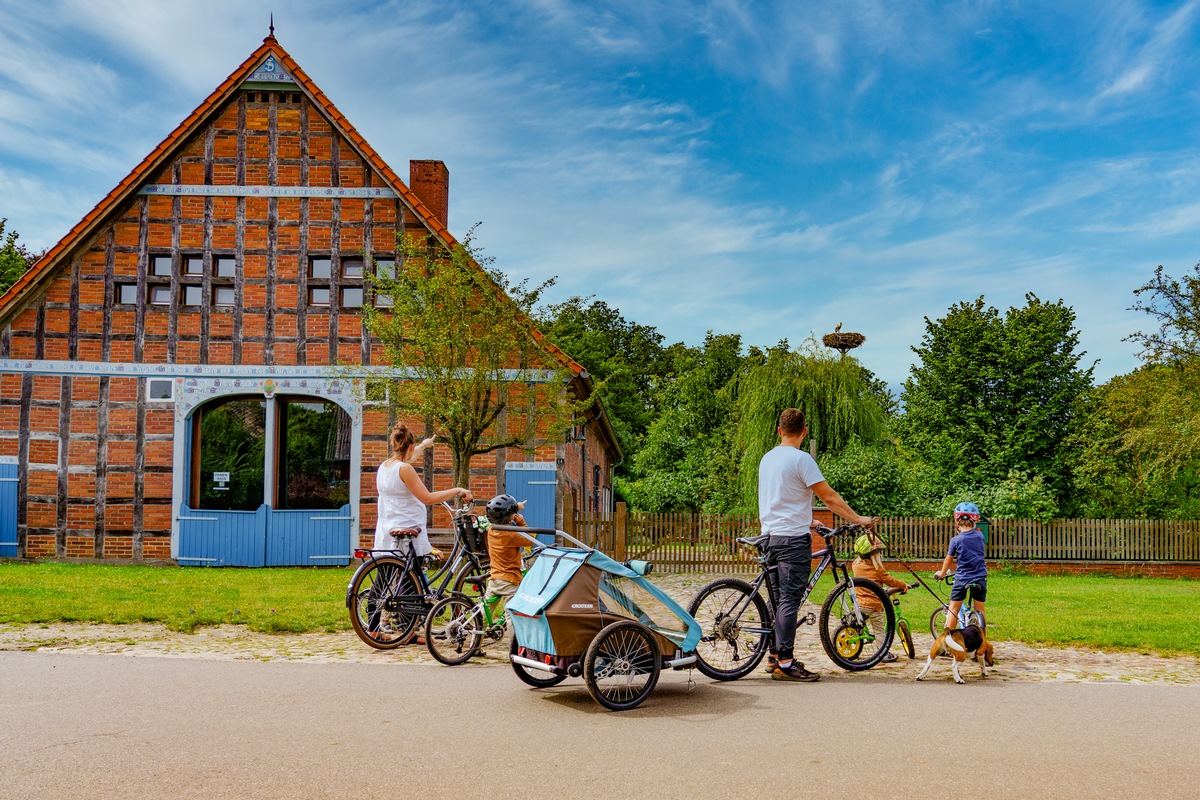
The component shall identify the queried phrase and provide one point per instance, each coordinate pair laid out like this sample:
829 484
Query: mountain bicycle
738 625
390 594
967 615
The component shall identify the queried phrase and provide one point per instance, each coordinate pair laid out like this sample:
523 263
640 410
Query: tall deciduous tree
626 359
994 393
1175 305
835 394
466 335
15 258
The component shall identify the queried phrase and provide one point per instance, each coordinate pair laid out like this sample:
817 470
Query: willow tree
834 393
473 362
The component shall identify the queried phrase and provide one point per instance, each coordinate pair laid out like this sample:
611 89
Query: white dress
398 508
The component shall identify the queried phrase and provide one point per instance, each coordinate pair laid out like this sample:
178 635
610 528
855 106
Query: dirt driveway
1016 661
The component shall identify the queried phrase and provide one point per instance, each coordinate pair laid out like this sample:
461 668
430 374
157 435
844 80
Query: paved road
120 727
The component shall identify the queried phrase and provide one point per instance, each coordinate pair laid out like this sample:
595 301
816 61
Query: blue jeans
793 556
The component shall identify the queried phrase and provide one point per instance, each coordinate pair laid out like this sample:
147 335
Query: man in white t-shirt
788 478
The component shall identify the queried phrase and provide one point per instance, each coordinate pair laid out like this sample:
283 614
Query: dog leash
908 566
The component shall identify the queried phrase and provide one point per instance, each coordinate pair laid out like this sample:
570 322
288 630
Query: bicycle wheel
534 677
383 603
937 620
906 640
847 638
732 641
454 630
621 665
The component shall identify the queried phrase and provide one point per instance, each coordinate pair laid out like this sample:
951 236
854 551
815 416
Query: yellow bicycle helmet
867 545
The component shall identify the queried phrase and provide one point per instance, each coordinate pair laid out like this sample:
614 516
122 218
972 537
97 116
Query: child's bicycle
456 625
903 628
967 615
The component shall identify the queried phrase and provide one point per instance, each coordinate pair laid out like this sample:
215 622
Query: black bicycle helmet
501 508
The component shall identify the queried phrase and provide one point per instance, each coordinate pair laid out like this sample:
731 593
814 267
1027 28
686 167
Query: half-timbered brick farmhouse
173 372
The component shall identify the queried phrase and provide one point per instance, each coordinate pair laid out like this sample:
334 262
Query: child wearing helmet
504 548
868 563
966 556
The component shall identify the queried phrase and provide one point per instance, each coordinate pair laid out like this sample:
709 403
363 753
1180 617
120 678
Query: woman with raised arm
403 497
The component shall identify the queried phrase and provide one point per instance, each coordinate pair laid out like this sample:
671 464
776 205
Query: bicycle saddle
405 533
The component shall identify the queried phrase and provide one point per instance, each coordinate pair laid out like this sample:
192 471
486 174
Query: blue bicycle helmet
969 510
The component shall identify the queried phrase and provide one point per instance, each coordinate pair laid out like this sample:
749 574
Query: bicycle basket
474 538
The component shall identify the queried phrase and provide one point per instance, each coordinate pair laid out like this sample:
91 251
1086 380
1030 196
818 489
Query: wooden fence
686 542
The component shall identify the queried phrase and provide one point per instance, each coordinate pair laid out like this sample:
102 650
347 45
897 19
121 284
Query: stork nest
843 341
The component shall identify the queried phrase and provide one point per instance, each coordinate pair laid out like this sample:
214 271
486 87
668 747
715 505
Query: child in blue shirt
967 551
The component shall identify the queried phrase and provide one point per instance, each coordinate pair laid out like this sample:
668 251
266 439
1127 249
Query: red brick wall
97 457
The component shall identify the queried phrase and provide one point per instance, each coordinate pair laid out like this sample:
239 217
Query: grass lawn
1150 615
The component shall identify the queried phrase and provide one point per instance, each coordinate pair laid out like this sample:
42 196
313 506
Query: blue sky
769 169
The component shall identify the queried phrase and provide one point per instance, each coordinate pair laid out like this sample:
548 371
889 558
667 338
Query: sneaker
796 672
772 663
889 658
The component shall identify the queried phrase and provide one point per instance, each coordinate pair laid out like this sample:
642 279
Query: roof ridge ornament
271 34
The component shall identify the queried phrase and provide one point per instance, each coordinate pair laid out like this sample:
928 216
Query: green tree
466 335
834 393
15 259
994 393
874 479
677 465
626 359
1175 305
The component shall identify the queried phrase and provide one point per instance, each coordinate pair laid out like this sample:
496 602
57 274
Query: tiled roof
160 155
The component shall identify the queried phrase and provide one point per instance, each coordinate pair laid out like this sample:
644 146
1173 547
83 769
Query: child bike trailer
579 612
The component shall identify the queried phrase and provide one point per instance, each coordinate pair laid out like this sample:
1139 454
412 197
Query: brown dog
962 644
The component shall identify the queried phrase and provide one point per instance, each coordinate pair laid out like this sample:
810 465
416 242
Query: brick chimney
430 181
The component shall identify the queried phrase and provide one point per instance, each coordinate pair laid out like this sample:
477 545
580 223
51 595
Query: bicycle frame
828 560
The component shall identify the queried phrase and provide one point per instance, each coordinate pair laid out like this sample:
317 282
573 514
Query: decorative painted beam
229 190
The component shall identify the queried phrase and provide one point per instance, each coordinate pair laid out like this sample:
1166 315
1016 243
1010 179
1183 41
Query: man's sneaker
772 663
889 658
796 672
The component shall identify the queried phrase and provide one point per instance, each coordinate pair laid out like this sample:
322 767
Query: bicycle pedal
808 619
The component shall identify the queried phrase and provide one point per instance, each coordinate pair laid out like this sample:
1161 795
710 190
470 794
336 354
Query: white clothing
398 508
785 497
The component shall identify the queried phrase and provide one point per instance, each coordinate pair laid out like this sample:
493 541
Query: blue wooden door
536 484
8 506
305 537
222 538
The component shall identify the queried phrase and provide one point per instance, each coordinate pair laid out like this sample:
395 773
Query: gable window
352 268
385 268
127 294
352 297
318 296
224 296
225 266
193 295
320 267
193 265
160 265
160 295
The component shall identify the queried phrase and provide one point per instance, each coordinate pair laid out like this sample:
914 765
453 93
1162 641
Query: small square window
160 295
319 268
193 265
127 294
225 266
160 265
160 390
224 296
384 301
193 295
318 296
352 268
352 297
385 268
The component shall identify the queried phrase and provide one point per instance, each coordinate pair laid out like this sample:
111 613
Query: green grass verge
1149 615
282 600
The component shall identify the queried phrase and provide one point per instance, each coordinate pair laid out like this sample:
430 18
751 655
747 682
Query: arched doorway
268 482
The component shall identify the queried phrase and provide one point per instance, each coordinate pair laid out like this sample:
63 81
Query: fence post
619 520
568 500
